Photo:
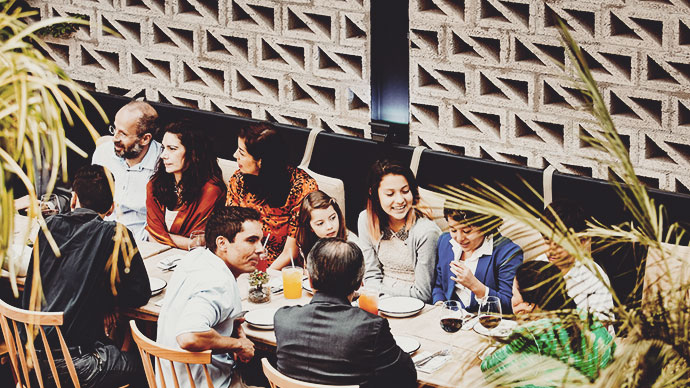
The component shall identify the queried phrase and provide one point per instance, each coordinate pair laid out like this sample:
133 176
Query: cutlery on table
440 353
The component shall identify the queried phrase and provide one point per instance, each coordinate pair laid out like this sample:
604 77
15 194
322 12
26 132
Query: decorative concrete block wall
486 81
485 75
299 62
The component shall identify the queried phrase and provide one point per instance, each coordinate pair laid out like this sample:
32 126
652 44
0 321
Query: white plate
407 344
307 286
261 318
502 330
157 285
400 306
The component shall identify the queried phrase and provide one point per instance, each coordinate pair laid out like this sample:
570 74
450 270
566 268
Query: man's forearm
208 340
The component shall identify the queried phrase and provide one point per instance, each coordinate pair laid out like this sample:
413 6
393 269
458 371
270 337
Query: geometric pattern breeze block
304 63
486 81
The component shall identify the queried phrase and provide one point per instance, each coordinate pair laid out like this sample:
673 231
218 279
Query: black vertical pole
390 94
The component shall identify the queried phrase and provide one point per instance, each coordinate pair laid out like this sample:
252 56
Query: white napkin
432 365
169 262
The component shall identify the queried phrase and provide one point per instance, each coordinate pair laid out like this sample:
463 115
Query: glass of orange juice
369 299
292 282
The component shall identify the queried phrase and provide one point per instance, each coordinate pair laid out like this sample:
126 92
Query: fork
440 353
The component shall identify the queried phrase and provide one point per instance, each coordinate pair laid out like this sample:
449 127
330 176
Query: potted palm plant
39 104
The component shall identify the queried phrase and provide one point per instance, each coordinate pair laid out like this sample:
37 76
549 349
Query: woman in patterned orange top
185 187
267 183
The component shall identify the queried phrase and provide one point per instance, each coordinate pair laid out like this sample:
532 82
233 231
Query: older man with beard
131 156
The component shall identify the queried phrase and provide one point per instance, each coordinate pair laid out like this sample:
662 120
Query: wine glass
490 313
50 205
451 316
197 239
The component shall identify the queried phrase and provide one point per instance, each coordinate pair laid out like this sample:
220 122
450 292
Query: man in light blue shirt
131 157
202 302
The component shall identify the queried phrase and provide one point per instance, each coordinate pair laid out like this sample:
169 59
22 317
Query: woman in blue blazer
475 261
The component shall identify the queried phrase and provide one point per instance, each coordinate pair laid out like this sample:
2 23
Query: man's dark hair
570 212
335 266
92 188
488 224
227 222
541 283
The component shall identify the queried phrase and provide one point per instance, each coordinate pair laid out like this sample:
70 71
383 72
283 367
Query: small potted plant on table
259 291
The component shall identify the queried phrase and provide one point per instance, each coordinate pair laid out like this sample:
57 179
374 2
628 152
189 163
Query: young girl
320 217
398 239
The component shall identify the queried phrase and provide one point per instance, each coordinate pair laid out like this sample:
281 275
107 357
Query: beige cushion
666 275
435 203
228 167
103 139
528 239
334 187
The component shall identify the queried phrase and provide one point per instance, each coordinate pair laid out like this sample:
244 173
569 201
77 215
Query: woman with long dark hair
266 182
185 187
396 235
580 342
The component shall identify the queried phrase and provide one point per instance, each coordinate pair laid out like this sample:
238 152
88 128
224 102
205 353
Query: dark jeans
107 366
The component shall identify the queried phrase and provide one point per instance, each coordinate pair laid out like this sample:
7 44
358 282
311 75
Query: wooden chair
148 348
279 380
22 362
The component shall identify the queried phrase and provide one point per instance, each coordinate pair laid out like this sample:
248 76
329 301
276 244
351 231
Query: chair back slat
22 357
277 379
9 341
70 364
208 377
29 330
174 374
22 362
158 362
190 376
49 354
148 348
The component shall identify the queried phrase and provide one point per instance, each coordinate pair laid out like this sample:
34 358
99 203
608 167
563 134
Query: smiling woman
184 189
397 237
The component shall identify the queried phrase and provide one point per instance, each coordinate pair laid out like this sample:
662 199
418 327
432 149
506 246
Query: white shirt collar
486 248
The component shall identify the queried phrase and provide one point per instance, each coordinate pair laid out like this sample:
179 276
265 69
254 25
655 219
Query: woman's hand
465 277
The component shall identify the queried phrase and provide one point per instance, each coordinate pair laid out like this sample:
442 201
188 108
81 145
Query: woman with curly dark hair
185 187
266 182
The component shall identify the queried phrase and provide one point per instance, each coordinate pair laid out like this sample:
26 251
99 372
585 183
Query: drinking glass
490 313
292 282
451 316
369 299
50 205
198 239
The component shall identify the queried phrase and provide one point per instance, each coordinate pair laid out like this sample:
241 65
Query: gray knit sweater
422 244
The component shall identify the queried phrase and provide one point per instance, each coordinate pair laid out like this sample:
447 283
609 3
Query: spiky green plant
38 101
656 350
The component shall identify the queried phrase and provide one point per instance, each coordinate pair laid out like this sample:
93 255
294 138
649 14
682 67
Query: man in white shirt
589 290
202 305
131 157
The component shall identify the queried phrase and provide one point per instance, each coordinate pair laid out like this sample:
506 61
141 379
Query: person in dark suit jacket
475 261
329 341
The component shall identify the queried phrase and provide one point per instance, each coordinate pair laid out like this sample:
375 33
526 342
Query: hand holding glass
50 205
197 239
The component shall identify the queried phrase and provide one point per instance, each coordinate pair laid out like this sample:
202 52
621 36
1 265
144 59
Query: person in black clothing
330 342
78 284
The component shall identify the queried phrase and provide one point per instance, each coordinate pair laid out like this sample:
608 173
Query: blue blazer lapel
482 271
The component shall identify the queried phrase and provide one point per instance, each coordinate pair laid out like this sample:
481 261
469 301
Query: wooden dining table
465 345
462 369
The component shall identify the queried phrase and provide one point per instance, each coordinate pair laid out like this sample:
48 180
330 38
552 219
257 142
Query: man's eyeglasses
116 132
